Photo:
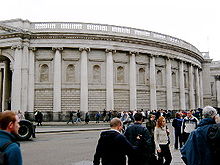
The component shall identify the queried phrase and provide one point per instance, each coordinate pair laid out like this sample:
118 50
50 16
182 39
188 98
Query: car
26 130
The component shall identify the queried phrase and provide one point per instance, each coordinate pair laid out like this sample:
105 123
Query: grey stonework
43 65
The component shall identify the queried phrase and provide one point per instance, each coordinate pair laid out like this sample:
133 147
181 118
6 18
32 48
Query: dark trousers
185 137
178 139
164 154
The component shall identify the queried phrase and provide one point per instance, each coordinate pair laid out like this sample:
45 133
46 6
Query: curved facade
63 66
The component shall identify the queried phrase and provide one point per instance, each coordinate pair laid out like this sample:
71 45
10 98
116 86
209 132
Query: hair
5 118
115 122
160 121
138 116
178 114
209 112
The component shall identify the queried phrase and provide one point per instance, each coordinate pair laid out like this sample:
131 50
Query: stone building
58 67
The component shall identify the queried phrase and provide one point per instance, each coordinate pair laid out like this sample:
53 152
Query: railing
109 29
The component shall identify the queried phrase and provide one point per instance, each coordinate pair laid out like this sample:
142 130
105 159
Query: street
69 148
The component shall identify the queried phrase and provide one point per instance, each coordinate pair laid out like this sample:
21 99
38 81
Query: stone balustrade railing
109 30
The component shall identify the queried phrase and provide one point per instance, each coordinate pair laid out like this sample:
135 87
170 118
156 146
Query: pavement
56 127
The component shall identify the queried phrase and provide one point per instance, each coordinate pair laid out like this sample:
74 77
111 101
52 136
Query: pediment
5 29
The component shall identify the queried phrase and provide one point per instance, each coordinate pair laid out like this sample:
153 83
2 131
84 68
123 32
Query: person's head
209 112
152 117
116 124
9 122
138 117
161 122
189 114
178 115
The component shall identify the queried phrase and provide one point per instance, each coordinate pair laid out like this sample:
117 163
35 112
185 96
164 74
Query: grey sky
195 21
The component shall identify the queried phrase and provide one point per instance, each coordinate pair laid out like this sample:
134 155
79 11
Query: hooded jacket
13 152
112 148
196 150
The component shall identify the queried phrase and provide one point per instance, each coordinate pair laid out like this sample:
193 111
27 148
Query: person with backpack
197 149
10 148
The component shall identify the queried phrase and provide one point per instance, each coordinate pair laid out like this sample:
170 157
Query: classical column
57 80
132 78
153 96
217 78
84 80
197 88
16 78
109 80
182 87
24 80
169 85
1 89
191 88
201 88
31 85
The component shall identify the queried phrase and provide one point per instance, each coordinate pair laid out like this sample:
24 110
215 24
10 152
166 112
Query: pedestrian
78 116
112 146
197 149
38 118
177 124
188 125
109 114
20 115
147 151
104 115
161 138
87 118
97 117
70 117
9 126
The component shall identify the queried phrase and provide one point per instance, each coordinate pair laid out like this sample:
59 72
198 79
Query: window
120 74
96 74
44 73
174 79
70 73
159 77
141 76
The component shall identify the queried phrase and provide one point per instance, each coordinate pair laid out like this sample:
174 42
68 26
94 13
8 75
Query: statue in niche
70 73
120 74
96 74
141 76
44 73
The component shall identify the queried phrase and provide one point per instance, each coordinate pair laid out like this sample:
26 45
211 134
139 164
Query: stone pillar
16 79
132 78
3 86
109 80
31 82
201 88
169 84
84 80
153 94
1 89
57 80
217 78
198 105
24 80
182 87
191 88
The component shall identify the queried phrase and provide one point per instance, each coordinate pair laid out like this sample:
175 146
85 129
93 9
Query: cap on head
209 112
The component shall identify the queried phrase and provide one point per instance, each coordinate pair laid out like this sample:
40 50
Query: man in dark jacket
112 146
177 124
135 130
9 127
197 150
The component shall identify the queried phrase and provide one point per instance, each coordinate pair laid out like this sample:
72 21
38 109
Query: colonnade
23 81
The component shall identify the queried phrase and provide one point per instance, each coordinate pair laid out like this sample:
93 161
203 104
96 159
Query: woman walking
161 137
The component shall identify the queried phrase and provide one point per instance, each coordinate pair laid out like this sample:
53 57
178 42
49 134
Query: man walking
9 126
147 152
112 146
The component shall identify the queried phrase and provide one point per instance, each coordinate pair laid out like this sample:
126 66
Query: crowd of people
198 140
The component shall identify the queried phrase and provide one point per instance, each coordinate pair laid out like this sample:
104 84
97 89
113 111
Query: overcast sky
195 21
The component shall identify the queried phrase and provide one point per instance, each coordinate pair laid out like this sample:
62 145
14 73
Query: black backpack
3 160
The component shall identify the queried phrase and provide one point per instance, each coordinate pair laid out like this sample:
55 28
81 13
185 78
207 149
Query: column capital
110 50
13 47
57 48
84 49
152 55
33 49
133 52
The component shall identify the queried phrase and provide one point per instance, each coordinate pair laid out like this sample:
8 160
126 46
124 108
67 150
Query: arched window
120 74
141 76
159 78
185 81
174 79
70 73
96 74
44 73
